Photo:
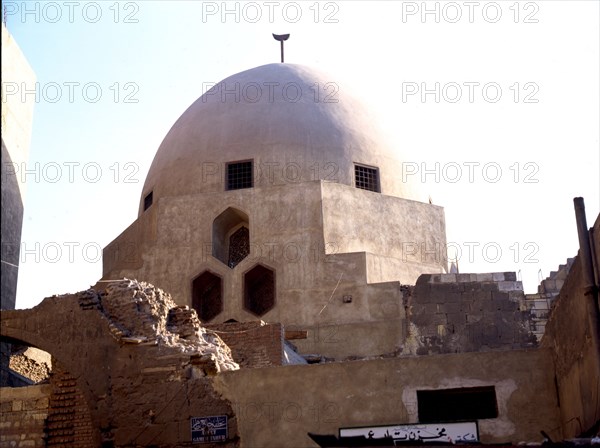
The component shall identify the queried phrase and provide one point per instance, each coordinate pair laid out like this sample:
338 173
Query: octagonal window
259 290
207 297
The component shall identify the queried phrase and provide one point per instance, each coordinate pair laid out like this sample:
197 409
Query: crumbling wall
24 411
69 422
569 333
253 344
143 366
457 313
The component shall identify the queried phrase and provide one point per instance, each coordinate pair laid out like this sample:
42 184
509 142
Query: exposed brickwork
31 363
143 370
252 344
69 422
24 411
454 313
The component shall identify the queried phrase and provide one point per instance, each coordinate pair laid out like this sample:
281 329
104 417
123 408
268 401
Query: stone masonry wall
24 411
456 313
252 344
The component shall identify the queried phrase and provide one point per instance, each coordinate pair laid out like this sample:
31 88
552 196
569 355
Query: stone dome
295 123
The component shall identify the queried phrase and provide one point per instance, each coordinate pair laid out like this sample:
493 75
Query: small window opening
259 290
366 178
446 405
207 298
239 246
239 175
148 201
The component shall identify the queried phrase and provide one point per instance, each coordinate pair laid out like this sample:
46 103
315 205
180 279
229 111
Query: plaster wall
410 232
292 138
278 406
299 232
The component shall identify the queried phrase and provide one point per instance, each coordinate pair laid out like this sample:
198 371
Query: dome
293 122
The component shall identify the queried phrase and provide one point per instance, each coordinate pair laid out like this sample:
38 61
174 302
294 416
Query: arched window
231 237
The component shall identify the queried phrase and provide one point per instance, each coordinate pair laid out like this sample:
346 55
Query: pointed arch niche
231 237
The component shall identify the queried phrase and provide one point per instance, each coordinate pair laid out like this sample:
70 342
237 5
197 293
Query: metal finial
281 38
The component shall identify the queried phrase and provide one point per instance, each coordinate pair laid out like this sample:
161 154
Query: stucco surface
277 407
319 256
273 115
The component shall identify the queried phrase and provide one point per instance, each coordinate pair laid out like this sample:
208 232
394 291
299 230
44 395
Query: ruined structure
309 295
130 355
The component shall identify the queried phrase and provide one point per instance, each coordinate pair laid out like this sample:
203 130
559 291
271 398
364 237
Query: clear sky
495 105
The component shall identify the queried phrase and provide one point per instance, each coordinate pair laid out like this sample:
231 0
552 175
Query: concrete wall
278 406
569 334
24 411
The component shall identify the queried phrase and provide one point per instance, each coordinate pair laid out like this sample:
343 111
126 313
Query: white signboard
426 432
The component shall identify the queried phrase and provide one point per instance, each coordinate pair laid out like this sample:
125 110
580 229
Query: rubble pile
143 313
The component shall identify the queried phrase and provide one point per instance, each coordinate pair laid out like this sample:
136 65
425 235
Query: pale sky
495 104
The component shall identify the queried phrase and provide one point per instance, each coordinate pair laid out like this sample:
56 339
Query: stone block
465 306
472 286
447 278
510 286
473 318
457 319
449 308
517 296
497 295
462 278
436 294
498 276
424 278
487 277
489 286
484 296
510 276
457 287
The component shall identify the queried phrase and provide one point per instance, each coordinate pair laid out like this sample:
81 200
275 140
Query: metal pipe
590 289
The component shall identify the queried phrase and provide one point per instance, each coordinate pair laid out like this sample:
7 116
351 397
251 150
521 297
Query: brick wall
252 344
23 412
69 422
457 313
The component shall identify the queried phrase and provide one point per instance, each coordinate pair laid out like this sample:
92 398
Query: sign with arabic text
426 432
209 429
